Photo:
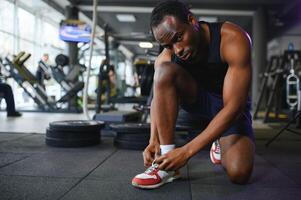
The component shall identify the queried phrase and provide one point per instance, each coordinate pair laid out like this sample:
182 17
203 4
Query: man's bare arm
235 50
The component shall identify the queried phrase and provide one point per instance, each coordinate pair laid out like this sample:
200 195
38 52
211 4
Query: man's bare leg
237 157
172 85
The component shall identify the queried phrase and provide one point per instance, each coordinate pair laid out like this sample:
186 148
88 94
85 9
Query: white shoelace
152 168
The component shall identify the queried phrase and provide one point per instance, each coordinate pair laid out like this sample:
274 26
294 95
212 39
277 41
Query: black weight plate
130 145
131 127
71 135
62 60
73 139
77 125
146 142
133 137
140 127
71 143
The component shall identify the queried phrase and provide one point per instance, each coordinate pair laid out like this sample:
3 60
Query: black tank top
209 74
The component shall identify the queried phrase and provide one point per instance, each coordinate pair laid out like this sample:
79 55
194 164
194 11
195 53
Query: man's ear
193 21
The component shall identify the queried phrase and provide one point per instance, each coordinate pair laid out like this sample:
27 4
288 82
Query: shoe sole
169 180
213 159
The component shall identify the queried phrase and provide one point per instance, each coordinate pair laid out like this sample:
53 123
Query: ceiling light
145 45
126 18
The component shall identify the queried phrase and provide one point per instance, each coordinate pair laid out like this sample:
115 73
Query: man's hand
150 153
174 159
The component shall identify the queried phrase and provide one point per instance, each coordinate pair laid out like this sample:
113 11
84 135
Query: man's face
181 38
45 57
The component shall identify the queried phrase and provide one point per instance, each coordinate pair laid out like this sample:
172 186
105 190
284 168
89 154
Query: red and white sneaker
215 153
154 178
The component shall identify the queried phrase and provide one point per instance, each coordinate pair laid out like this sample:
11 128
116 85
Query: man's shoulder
164 56
235 43
231 32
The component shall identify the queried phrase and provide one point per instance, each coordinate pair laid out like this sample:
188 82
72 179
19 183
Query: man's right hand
150 153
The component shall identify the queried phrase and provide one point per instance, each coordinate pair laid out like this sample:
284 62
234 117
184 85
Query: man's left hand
173 160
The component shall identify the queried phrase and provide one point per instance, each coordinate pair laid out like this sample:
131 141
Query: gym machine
110 116
28 81
276 73
30 84
293 95
70 87
270 72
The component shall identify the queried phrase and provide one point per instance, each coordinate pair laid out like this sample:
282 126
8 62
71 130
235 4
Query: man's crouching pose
204 68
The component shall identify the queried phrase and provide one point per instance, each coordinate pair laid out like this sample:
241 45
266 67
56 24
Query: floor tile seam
36 154
260 186
292 139
15 161
84 177
18 152
189 183
48 177
12 132
278 169
15 139
78 152
285 162
44 152
125 180
8 133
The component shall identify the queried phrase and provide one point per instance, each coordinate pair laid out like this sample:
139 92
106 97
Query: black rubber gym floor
31 170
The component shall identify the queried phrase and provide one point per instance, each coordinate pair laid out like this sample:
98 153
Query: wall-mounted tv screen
74 31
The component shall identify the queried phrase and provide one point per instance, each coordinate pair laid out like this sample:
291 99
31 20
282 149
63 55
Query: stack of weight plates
134 136
77 133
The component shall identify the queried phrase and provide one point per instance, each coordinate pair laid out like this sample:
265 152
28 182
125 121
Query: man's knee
239 174
237 157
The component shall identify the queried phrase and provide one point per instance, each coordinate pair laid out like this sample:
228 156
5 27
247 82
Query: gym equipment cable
85 98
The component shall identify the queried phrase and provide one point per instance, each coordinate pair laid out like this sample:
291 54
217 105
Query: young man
41 74
205 68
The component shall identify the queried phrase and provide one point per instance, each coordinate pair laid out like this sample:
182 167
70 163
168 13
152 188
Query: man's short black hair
174 8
